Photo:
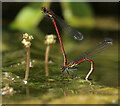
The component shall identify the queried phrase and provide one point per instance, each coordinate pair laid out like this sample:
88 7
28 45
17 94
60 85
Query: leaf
28 17
78 14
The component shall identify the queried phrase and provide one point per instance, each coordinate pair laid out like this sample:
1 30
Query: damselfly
67 28
100 47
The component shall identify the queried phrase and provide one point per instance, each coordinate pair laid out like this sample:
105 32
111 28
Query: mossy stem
28 63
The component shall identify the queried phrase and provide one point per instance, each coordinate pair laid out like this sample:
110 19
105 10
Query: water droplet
6 74
23 62
31 64
17 76
18 64
113 101
25 82
50 62
13 78
33 61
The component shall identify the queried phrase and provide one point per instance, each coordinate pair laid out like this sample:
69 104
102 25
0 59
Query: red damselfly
98 48
67 28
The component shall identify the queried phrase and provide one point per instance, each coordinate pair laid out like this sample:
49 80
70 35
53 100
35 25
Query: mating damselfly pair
98 48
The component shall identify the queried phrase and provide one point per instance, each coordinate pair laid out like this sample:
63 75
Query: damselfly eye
43 9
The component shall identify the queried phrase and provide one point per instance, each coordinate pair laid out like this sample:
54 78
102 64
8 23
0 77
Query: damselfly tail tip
108 40
80 37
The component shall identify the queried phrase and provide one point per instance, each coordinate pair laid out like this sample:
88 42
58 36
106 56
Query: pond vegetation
45 84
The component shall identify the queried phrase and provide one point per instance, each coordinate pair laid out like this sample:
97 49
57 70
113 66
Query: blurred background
95 20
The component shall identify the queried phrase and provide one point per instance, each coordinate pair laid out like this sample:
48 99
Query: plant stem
46 60
28 63
46 70
47 53
27 91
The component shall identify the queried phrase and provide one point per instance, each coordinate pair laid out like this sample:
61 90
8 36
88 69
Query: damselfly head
47 12
43 9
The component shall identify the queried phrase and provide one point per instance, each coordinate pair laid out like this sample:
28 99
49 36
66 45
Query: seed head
26 40
50 39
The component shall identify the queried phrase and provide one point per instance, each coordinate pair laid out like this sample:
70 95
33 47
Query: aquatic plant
50 39
7 90
27 43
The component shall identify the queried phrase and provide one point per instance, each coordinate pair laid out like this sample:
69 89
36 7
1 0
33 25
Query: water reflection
46 69
27 92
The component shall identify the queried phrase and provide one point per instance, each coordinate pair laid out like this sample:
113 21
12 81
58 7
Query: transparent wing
68 29
98 48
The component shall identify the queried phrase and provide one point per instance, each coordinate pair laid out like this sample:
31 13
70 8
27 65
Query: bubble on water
17 76
51 89
33 61
18 64
6 74
23 62
43 85
25 82
31 64
50 62
113 101
13 78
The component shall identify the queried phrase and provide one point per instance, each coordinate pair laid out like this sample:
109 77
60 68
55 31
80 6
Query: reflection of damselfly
65 27
101 46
